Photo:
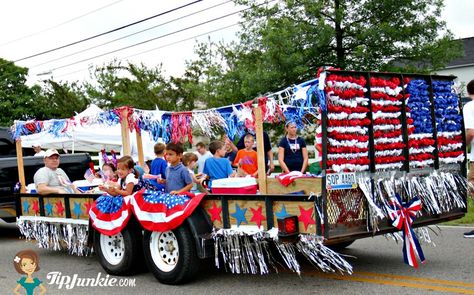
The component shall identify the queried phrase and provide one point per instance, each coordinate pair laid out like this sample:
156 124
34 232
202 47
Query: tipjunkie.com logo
70 282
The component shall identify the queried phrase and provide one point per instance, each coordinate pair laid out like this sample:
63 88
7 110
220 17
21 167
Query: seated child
108 172
127 178
217 167
246 158
178 179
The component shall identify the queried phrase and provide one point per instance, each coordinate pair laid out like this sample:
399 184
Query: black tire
120 254
341 245
171 256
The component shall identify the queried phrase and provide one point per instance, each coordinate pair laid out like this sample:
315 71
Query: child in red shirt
246 159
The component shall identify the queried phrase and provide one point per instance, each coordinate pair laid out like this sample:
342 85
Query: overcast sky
31 27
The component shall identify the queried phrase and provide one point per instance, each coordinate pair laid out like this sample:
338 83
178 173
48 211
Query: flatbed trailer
341 205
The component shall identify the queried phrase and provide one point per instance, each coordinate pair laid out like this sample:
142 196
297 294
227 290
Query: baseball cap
36 144
50 152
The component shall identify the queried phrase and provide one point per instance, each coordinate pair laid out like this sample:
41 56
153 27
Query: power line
156 48
108 32
58 25
148 40
129 35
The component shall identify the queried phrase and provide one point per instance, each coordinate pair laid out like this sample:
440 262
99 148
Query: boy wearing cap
51 179
38 151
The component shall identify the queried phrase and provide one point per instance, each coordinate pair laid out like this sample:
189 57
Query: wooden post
141 157
125 133
262 175
21 168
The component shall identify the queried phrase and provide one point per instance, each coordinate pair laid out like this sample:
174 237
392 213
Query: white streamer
349 129
380 114
388 140
334 142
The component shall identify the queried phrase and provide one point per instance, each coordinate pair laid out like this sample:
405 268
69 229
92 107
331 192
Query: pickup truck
73 164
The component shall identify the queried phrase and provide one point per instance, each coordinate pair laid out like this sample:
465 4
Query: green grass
468 218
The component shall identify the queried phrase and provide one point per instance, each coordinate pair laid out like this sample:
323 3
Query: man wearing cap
38 151
51 179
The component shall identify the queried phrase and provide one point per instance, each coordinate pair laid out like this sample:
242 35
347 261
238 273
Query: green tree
285 42
15 96
133 85
59 100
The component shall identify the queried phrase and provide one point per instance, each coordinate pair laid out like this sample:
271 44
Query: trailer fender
201 228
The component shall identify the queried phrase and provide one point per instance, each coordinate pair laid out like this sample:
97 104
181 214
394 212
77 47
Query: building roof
468 58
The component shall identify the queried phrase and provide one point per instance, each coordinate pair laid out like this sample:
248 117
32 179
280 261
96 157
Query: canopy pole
21 168
262 176
141 158
125 133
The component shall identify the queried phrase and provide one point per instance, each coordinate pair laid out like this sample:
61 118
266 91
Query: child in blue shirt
217 167
178 179
158 166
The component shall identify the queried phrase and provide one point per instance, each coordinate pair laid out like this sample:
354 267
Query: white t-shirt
40 153
202 159
468 113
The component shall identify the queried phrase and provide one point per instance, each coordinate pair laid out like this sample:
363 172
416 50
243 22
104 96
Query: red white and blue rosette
109 214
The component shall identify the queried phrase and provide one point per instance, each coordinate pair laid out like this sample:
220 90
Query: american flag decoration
402 216
89 175
159 211
110 214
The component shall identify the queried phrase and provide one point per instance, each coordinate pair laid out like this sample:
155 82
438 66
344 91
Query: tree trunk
339 35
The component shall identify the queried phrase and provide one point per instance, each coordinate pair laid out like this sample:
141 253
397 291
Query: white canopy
90 138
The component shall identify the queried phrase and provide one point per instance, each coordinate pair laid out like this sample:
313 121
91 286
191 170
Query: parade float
393 162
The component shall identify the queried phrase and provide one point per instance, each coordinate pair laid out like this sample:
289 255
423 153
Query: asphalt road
378 269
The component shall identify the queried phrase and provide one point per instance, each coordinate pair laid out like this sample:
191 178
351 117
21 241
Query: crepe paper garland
348 129
386 113
420 140
448 122
347 123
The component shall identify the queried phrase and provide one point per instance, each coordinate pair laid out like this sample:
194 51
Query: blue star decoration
77 209
26 207
49 208
282 214
239 214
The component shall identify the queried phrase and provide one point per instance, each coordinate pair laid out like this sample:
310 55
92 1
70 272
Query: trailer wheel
171 256
118 254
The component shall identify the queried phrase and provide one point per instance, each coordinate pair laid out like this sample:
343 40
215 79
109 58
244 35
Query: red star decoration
215 212
88 206
306 217
257 216
36 206
60 207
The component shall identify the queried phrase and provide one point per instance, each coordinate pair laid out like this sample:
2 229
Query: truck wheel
118 254
171 256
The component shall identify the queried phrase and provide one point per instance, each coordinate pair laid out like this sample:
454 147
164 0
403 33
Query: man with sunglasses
51 179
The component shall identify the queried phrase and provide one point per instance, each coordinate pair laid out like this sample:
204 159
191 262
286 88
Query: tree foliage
59 100
285 42
135 85
15 96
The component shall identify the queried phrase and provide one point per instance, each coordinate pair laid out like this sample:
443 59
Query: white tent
90 138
